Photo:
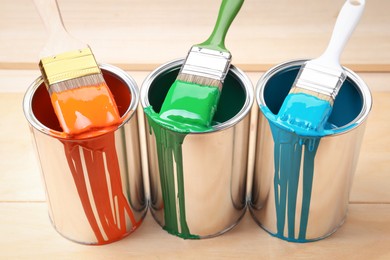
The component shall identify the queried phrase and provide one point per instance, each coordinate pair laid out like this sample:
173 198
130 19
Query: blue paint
304 114
296 144
288 150
346 107
297 129
292 143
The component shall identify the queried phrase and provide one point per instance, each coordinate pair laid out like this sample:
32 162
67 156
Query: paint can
304 197
94 186
198 188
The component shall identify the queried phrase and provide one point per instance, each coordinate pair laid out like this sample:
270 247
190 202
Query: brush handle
59 40
226 15
347 20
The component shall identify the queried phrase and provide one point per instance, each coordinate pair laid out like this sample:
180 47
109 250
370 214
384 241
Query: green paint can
198 179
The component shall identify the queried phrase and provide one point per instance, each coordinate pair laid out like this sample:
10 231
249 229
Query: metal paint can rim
363 90
115 71
169 66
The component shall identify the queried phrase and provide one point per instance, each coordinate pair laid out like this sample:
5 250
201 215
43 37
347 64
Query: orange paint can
94 184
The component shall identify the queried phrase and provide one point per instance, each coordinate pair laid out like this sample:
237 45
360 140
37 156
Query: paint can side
198 189
94 187
302 208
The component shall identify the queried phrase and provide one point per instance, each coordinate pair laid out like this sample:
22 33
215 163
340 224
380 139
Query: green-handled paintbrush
193 97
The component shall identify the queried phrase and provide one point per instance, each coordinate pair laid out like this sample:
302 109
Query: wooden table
137 36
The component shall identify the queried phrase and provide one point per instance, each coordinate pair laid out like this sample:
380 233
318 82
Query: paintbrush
80 97
309 103
193 97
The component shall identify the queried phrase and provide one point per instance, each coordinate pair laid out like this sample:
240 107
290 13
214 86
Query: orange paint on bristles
86 111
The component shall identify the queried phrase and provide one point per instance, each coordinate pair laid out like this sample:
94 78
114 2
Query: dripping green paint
186 109
170 157
170 135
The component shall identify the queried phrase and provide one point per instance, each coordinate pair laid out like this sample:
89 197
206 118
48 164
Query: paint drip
295 149
170 163
96 174
187 108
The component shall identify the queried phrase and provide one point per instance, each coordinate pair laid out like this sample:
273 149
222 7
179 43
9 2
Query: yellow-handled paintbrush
80 97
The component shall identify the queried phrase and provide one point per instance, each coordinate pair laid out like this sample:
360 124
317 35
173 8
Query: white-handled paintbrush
309 103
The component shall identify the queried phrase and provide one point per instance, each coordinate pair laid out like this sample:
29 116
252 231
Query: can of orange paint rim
198 180
301 185
94 186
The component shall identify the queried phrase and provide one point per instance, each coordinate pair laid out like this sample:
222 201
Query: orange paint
99 186
86 111
91 153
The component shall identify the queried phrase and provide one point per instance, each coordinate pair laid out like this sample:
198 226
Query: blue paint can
301 184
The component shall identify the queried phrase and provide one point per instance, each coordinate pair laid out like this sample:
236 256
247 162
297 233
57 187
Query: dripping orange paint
102 175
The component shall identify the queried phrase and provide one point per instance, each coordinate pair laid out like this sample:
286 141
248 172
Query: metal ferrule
321 79
68 65
207 63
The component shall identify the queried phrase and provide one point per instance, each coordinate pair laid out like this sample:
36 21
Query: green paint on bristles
189 107
191 104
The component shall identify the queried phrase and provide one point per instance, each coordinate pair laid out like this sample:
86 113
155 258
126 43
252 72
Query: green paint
170 130
169 141
193 105
231 101
185 109
169 155
189 107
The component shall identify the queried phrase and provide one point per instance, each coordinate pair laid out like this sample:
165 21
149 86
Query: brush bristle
199 80
89 80
205 67
312 93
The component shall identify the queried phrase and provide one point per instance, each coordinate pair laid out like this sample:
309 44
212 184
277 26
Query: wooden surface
137 36
140 34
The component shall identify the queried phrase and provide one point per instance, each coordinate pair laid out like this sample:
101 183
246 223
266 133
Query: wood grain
140 35
365 235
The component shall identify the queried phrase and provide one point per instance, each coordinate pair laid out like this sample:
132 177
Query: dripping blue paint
291 144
